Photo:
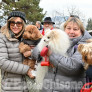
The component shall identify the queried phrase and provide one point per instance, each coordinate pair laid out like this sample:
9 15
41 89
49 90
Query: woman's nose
71 31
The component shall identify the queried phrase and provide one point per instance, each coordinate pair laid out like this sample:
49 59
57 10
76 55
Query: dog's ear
27 28
53 34
89 40
36 32
80 47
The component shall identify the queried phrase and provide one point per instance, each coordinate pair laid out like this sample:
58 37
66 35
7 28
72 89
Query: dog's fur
58 42
32 33
31 36
86 52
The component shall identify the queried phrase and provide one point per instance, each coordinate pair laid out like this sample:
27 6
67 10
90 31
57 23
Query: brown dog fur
32 33
86 52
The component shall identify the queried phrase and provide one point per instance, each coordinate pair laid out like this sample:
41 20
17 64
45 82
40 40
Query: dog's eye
29 31
48 37
85 57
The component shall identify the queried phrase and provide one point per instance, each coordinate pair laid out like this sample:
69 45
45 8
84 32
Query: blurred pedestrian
38 25
47 24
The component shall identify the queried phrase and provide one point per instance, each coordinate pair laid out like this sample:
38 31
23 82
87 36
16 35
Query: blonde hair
77 21
5 29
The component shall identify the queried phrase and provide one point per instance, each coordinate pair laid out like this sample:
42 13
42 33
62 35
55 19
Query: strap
75 48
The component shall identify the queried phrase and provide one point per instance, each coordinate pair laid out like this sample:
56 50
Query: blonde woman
68 74
12 69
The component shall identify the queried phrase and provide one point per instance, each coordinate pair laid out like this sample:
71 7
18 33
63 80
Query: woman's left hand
27 53
29 73
49 53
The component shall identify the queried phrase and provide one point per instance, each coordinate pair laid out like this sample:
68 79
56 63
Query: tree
64 14
89 25
30 7
58 17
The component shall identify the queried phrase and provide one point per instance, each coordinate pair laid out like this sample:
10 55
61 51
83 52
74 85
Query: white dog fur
58 42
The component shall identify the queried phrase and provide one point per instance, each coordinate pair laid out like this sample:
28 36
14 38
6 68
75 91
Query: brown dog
32 33
31 37
86 52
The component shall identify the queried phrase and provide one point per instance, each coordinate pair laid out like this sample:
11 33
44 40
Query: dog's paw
24 48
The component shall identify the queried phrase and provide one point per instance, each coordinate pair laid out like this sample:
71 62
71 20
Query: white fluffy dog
58 42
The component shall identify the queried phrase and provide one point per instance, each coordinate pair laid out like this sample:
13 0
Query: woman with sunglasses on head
12 69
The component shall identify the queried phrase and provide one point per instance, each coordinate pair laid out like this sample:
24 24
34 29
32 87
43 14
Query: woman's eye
68 28
85 57
75 29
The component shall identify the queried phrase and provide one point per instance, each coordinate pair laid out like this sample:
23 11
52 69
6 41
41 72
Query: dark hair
75 16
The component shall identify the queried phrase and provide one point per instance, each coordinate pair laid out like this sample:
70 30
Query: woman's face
73 30
16 25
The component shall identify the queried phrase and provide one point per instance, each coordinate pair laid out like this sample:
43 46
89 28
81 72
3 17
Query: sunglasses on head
18 24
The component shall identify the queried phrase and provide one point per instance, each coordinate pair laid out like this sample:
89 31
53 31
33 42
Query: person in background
38 25
68 74
12 70
47 24
74 16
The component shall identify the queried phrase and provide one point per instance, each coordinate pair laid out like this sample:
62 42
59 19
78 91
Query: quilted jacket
12 69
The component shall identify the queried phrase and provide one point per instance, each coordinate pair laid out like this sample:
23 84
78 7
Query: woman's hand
27 53
29 73
49 53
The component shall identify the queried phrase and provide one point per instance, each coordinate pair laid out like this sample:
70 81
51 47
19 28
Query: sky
62 6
